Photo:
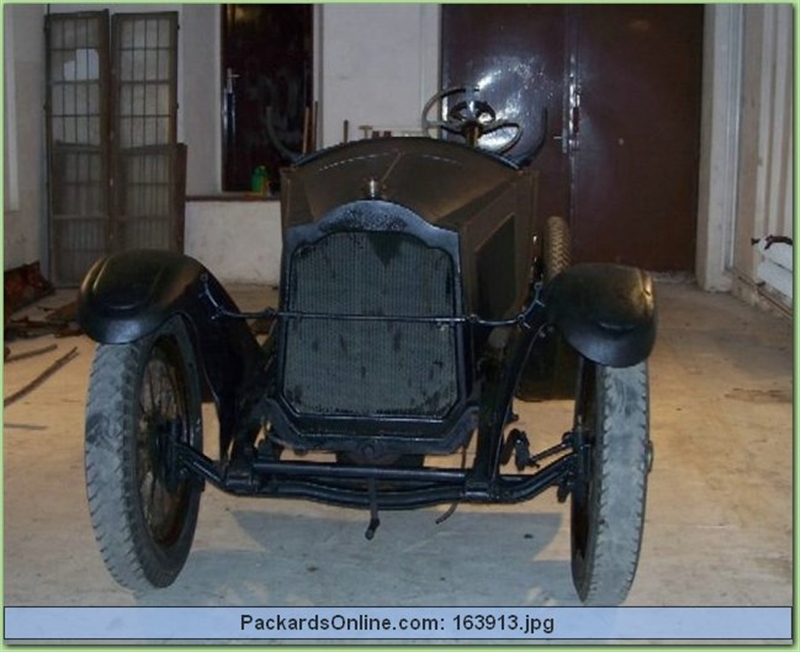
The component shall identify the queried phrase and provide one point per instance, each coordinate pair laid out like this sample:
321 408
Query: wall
377 64
719 145
746 188
25 211
201 106
237 241
766 173
380 64
391 66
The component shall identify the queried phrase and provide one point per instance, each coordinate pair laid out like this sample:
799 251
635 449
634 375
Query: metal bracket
374 521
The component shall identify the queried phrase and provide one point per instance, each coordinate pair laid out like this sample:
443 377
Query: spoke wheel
609 492
143 396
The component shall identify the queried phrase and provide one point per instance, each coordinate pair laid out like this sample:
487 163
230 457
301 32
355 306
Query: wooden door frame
723 49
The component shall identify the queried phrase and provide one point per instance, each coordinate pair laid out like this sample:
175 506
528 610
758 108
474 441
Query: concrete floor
719 521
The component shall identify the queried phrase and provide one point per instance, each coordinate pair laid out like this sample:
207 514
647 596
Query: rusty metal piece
24 285
36 382
63 314
28 328
29 354
60 322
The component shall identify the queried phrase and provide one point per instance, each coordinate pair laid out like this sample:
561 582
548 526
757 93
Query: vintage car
417 289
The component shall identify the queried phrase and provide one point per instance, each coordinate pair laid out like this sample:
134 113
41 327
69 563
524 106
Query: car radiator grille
370 368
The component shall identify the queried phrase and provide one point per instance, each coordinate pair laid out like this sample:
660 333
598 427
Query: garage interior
719 524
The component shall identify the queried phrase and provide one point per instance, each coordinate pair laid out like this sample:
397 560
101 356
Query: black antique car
417 290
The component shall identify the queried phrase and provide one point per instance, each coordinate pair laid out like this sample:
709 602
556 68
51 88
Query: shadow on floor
474 558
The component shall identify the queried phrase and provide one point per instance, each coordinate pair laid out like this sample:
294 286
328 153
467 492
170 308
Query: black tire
609 495
549 371
143 513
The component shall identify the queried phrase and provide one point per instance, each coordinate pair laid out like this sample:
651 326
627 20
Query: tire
549 371
609 493
557 252
143 513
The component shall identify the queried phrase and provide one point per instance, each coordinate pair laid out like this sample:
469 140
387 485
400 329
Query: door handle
574 126
230 79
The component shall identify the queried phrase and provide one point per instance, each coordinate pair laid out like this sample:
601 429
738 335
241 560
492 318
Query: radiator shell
372 344
371 368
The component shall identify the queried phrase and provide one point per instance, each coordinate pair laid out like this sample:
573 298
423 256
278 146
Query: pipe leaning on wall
776 267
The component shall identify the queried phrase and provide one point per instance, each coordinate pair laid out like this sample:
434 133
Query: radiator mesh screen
335 367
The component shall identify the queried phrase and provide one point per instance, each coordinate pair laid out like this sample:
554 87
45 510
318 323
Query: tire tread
617 518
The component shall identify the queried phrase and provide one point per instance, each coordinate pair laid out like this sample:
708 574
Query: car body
412 300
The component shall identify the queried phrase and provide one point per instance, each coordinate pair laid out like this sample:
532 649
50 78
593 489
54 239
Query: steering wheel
471 118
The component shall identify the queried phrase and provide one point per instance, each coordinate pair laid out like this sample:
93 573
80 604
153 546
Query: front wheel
609 492
143 510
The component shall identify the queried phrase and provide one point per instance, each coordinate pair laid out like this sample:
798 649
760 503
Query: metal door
622 85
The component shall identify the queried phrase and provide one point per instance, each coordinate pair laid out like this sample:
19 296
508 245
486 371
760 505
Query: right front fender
607 312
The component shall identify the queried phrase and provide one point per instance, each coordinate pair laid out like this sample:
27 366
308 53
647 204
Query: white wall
201 99
237 241
380 63
746 175
719 145
765 199
25 211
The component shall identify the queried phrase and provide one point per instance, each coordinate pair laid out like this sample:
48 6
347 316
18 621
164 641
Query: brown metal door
516 55
622 86
636 162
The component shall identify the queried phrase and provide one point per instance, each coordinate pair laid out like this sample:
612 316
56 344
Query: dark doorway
621 84
266 62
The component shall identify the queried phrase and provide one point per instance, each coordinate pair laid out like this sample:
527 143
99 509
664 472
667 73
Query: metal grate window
77 90
117 174
145 63
77 102
149 204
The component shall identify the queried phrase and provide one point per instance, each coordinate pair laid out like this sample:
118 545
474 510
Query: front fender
607 312
127 295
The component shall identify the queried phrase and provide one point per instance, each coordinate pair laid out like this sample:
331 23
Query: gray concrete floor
719 520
